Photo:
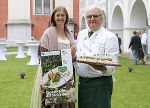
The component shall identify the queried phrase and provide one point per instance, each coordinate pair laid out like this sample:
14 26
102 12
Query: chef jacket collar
96 30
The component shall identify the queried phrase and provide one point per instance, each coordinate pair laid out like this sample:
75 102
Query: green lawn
14 91
11 49
131 89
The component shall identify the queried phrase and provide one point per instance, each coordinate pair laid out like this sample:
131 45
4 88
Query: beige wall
18 9
66 3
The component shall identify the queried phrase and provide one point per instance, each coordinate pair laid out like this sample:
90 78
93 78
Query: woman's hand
41 81
73 50
41 87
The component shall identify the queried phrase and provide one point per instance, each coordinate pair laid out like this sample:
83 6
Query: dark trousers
95 92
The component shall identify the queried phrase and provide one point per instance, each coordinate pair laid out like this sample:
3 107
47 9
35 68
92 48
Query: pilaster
148 39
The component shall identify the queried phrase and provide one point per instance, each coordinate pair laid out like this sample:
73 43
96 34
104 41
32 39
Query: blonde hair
53 22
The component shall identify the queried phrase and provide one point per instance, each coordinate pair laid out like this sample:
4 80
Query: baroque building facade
22 19
122 17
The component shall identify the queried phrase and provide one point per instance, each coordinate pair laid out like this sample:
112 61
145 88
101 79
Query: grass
14 91
77 78
11 49
131 89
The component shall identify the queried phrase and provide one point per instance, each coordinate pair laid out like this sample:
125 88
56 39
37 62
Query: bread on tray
105 60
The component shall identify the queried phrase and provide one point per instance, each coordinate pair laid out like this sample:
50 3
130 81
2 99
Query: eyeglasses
94 16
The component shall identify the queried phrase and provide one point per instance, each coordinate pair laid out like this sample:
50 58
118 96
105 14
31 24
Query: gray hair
97 8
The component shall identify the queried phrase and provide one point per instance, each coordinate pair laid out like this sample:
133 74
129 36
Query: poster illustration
58 76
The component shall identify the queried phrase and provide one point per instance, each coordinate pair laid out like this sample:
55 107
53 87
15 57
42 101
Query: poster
58 76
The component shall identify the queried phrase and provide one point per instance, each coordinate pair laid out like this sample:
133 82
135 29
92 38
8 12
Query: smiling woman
57 37
56 13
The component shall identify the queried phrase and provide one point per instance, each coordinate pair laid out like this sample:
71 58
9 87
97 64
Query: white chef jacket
100 43
144 39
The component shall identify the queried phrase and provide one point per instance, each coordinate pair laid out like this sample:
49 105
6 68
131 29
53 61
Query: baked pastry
95 60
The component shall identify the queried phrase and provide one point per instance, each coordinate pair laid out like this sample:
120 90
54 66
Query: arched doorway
83 24
117 23
138 16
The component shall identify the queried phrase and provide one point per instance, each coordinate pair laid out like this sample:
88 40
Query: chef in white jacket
95 82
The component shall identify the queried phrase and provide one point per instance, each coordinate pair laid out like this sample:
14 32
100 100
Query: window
42 6
46 6
38 6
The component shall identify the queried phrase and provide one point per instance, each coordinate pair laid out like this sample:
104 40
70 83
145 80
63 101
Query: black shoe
143 63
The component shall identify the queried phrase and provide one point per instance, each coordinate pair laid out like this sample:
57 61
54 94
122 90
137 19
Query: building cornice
19 22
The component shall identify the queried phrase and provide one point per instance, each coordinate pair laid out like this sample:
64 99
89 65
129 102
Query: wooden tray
99 63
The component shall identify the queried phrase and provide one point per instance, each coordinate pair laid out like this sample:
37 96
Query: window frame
51 4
